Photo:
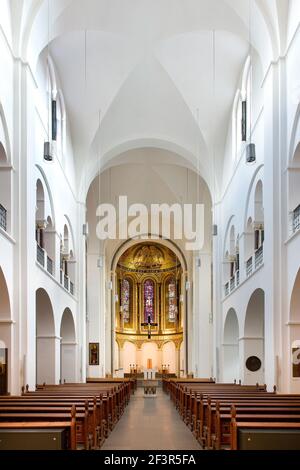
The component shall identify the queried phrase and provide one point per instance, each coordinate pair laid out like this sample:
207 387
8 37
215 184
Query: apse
148 306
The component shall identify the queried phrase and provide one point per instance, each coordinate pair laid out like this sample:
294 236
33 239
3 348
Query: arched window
126 300
172 300
239 116
40 214
60 123
149 300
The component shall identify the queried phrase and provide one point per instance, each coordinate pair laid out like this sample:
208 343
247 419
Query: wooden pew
283 441
70 426
24 420
101 411
219 437
199 407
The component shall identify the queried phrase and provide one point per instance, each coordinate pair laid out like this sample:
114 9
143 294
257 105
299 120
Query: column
139 310
202 330
159 357
121 357
272 244
139 357
82 318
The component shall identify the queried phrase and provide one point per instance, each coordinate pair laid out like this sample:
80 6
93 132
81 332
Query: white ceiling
149 69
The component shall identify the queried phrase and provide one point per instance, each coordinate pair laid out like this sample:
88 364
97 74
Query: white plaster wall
150 351
129 354
144 170
275 119
169 357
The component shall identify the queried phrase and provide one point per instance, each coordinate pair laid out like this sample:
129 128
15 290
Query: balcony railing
3 217
49 265
40 255
226 289
66 282
237 276
61 277
249 266
232 284
259 257
296 219
71 287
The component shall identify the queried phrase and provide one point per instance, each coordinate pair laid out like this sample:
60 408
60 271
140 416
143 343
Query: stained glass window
126 300
172 300
149 300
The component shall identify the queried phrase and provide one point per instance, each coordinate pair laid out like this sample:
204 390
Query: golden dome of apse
148 257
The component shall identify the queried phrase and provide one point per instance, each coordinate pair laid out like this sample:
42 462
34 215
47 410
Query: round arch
129 353
112 158
46 341
254 338
250 194
294 335
6 176
40 175
169 357
4 136
5 336
295 139
68 347
123 247
131 242
231 347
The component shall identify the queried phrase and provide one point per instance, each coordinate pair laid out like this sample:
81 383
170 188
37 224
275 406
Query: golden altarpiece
149 280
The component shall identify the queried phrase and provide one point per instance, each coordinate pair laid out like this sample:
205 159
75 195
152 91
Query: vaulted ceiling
146 67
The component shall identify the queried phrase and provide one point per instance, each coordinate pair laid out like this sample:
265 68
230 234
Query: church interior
111 320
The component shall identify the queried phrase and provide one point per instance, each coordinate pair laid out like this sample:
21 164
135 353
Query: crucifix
149 324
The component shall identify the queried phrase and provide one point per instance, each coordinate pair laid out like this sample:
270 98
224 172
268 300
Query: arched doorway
148 305
5 336
294 333
47 344
68 348
231 347
254 339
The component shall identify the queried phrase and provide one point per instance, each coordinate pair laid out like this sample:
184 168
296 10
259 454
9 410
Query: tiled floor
151 424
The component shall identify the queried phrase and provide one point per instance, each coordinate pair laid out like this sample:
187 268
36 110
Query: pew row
95 408
208 409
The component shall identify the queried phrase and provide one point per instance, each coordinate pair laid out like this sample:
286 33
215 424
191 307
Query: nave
151 424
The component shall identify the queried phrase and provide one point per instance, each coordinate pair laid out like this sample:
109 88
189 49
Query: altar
150 383
150 374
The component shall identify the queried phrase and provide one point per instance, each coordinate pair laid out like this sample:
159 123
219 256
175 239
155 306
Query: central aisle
151 424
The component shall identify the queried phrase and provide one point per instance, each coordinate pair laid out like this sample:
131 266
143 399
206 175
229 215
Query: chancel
149 224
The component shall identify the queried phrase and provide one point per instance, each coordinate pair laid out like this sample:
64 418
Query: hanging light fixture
250 148
48 151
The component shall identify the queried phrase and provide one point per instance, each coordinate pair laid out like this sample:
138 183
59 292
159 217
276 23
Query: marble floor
151 424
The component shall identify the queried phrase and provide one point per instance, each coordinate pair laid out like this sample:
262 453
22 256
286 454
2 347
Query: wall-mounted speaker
250 153
48 152
85 229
